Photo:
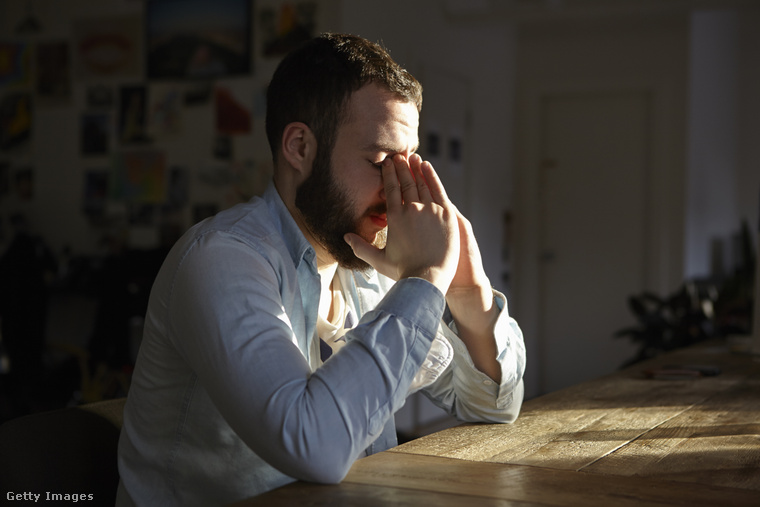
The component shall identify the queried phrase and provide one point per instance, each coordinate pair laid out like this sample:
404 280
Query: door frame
665 230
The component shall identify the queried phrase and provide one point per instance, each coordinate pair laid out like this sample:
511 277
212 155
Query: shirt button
487 382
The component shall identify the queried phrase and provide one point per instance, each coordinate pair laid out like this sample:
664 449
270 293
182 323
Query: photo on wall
106 47
283 26
15 64
95 192
188 39
53 78
15 120
139 177
133 114
94 133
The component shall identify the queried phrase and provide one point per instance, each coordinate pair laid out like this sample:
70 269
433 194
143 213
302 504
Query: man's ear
299 147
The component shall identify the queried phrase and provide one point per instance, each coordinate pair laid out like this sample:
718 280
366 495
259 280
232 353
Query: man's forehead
382 121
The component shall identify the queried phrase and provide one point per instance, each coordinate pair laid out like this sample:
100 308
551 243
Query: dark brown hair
314 82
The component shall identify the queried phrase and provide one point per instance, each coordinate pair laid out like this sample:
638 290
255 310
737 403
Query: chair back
67 451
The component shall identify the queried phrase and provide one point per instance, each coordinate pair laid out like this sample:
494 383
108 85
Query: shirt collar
296 243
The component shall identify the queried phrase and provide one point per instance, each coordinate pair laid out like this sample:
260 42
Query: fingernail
347 239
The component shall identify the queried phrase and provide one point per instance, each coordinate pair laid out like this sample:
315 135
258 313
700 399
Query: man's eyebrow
386 148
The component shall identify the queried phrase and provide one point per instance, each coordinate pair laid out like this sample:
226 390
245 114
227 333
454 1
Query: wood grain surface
624 440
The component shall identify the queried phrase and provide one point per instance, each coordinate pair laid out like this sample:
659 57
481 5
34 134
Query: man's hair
314 82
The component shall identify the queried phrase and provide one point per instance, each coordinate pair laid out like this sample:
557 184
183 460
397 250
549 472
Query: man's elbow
323 471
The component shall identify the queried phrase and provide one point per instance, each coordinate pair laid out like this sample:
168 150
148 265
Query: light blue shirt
229 398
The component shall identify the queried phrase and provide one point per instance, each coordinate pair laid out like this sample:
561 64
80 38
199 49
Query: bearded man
284 333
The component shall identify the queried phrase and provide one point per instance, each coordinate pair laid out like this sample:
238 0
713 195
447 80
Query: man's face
344 192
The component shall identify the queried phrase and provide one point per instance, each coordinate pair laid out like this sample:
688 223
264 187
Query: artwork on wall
197 38
164 114
95 192
139 177
14 64
285 25
107 47
94 133
15 120
178 189
132 114
232 115
53 77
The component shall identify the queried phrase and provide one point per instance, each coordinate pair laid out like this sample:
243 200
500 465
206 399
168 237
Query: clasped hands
427 236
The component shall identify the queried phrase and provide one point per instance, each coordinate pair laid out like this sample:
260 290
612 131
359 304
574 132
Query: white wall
712 208
748 119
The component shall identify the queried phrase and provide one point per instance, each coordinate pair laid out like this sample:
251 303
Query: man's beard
327 212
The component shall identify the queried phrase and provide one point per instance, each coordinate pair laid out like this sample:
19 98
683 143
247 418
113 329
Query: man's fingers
415 163
434 184
370 254
393 197
405 179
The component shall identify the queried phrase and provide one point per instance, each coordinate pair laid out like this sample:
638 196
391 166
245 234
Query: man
283 334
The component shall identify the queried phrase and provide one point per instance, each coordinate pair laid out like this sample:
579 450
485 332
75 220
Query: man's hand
423 233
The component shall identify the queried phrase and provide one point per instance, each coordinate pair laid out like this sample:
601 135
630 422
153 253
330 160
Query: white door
593 191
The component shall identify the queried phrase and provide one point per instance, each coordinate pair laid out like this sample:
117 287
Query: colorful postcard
197 38
53 72
94 133
233 114
15 64
285 25
165 110
133 114
107 47
15 120
139 177
95 192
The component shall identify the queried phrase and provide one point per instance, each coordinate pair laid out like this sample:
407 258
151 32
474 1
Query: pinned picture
139 177
233 114
95 192
285 25
15 120
15 64
165 111
53 72
132 114
197 38
107 47
94 133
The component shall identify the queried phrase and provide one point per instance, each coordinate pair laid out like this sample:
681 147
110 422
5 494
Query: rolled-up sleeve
471 395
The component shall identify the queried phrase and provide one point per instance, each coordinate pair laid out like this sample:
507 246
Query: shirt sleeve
228 320
471 395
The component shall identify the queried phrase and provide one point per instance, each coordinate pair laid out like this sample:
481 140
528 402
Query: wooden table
620 440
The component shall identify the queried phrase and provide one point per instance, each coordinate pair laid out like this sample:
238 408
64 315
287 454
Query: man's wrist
472 299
